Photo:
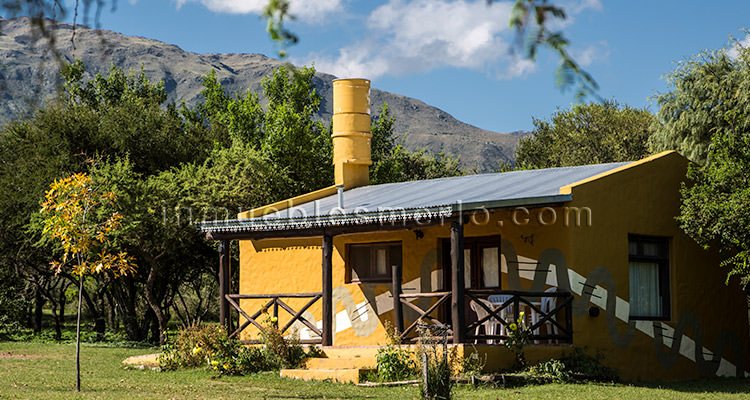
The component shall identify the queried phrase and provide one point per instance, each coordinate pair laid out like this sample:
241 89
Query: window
372 261
648 264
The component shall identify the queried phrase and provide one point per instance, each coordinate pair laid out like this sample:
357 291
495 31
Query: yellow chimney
351 132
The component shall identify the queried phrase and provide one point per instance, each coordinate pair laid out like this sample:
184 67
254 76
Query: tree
707 116
704 90
586 134
70 209
391 162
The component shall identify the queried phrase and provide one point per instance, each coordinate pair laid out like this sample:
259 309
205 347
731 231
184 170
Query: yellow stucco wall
641 199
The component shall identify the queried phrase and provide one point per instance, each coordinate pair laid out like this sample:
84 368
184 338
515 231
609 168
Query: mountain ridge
25 65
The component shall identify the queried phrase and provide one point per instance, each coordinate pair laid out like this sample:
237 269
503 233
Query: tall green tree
703 91
112 117
391 162
586 134
707 116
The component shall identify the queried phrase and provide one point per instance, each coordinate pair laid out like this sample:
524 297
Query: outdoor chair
549 304
490 325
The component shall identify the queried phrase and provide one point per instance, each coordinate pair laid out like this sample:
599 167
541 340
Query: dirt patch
7 355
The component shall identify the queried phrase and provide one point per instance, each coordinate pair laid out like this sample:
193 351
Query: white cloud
734 51
591 54
420 35
304 10
577 6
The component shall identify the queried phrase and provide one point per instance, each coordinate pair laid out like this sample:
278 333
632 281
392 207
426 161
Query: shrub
394 362
591 367
193 346
577 363
198 346
555 369
281 351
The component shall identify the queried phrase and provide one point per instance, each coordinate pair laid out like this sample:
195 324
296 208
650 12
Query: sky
456 54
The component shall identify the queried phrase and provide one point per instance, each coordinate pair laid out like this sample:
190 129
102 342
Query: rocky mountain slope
29 76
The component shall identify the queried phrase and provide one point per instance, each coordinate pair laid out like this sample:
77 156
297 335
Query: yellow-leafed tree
69 212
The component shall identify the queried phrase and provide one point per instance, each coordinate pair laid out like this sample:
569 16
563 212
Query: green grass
46 371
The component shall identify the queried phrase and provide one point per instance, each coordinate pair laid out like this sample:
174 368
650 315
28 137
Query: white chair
490 325
507 313
549 304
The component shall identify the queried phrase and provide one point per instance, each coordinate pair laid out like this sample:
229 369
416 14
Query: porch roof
417 201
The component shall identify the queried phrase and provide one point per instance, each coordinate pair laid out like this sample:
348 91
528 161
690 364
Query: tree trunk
38 305
78 337
153 302
90 305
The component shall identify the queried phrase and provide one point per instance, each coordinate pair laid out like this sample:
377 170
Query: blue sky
454 54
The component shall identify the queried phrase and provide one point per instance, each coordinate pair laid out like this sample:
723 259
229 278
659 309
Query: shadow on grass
717 385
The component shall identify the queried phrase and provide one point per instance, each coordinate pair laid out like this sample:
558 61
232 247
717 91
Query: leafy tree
391 162
286 134
707 115
704 90
586 134
294 139
70 216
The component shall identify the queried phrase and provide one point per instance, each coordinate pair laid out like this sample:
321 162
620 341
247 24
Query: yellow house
591 255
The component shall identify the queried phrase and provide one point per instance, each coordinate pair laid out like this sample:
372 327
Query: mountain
29 75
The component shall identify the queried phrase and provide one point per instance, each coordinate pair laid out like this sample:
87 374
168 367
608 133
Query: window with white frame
648 265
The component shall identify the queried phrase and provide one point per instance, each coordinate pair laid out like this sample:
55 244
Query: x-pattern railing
274 303
515 299
424 315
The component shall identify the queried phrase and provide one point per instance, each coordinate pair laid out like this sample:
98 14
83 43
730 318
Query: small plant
555 369
436 366
518 336
394 362
473 365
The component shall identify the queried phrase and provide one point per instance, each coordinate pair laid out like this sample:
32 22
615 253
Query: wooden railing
556 329
424 315
559 331
274 304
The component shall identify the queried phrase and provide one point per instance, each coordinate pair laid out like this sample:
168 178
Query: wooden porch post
457 288
224 319
327 283
398 313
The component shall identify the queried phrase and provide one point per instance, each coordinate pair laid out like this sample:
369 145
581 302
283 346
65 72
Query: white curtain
645 300
490 267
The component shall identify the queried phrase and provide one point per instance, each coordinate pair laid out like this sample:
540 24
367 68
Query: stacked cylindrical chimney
351 132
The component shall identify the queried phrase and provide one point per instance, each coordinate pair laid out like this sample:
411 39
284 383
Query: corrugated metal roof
441 196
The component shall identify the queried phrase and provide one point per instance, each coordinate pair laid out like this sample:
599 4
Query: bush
577 363
591 367
194 346
199 346
394 362
555 369
283 352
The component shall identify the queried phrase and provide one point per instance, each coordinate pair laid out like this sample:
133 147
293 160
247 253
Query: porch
484 315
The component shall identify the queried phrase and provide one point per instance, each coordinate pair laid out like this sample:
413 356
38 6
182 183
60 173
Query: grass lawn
47 371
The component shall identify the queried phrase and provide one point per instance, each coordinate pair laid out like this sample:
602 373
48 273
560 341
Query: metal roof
417 200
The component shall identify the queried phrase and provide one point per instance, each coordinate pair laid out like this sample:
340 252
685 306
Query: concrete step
340 363
350 375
